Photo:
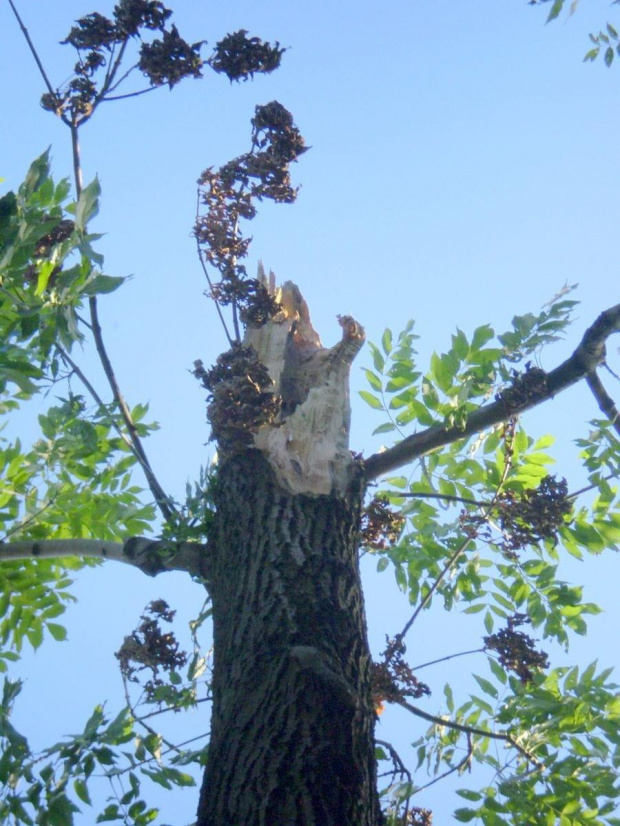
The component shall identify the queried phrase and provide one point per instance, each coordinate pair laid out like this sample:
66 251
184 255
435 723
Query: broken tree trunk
293 719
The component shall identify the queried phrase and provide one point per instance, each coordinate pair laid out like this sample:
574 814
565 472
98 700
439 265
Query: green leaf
373 380
475 609
386 341
371 400
465 815
58 632
468 794
387 427
81 791
87 205
486 686
101 284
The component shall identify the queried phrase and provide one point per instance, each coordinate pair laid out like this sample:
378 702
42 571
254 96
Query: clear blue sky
464 166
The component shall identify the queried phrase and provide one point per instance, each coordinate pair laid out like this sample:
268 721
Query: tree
274 532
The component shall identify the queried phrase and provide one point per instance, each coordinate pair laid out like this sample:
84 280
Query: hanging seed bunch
381 526
525 388
393 679
239 57
516 650
229 194
525 517
162 56
101 45
240 397
531 516
148 648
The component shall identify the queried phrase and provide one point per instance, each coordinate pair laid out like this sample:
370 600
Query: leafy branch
586 358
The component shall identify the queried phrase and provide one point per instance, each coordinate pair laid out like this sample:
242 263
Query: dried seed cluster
381 526
240 397
525 517
530 516
151 649
392 679
524 388
229 194
239 57
43 249
516 650
100 44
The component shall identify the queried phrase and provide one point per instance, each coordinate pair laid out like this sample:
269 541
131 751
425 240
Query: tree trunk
293 719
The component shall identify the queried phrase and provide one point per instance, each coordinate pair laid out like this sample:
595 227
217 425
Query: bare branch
454 557
31 46
604 400
77 164
494 735
162 500
587 357
129 94
448 657
78 372
444 496
152 557
398 767
208 277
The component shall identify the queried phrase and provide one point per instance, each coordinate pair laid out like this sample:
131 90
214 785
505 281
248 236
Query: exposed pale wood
308 446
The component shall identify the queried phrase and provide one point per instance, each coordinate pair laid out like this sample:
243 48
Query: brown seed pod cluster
100 42
381 526
531 516
44 247
524 388
239 57
230 193
525 517
516 650
148 648
392 679
241 399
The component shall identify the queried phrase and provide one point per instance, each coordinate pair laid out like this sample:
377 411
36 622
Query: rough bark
292 728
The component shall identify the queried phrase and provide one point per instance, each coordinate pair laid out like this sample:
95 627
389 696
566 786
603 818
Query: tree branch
586 358
161 498
604 400
152 557
35 54
78 372
494 735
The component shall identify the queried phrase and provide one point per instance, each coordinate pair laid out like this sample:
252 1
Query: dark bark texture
292 729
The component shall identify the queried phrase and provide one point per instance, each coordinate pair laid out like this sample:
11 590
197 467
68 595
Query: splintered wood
308 445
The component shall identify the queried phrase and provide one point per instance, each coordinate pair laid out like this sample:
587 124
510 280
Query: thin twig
448 497
397 763
494 735
449 657
129 94
78 372
449 564
161 499
604 400
588 488
111 73
466 761
77 165
457 554
29 519
208 277
37 59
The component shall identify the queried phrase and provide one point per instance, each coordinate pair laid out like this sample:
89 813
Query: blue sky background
464 167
